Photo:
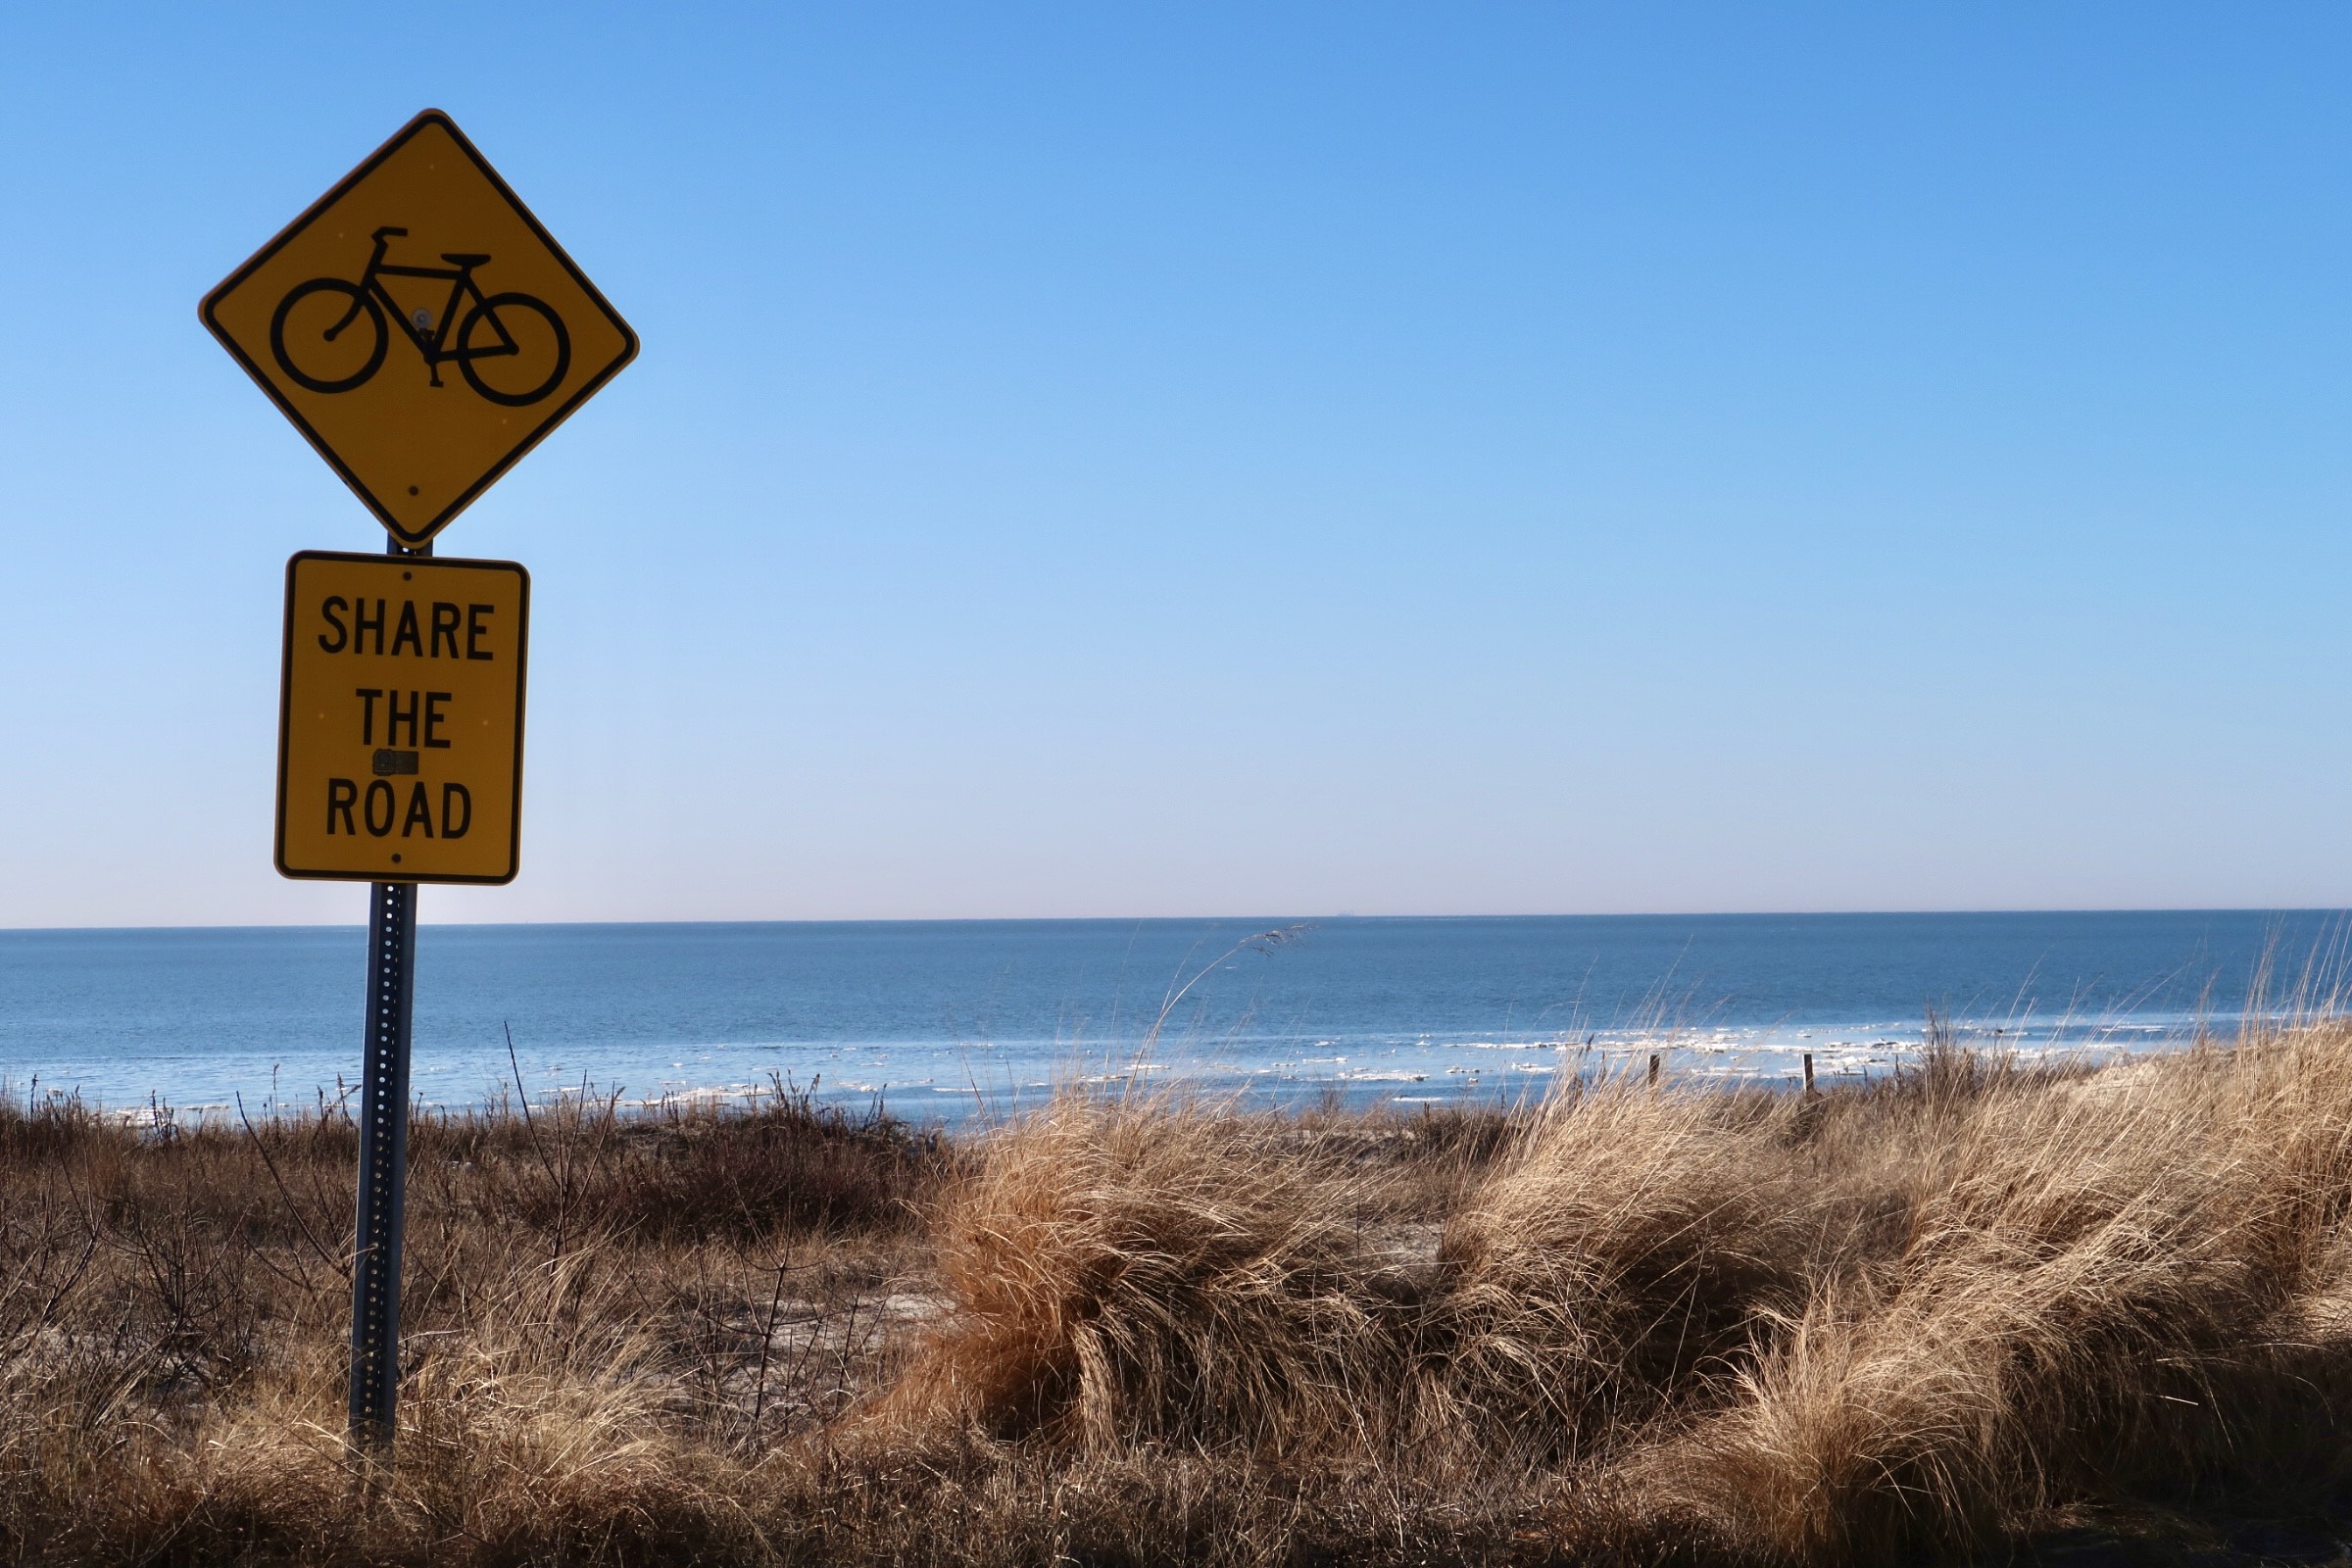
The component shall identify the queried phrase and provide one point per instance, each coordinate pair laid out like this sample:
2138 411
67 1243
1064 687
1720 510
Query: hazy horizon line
1268 920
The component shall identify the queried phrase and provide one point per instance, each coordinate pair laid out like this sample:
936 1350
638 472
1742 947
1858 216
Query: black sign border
285 711
206 311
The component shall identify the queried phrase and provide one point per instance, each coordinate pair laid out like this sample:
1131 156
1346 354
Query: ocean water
945 1020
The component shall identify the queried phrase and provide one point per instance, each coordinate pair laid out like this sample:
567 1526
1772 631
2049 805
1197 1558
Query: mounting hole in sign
412 489
396 859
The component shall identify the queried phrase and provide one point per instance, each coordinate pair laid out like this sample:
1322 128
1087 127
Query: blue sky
1148 459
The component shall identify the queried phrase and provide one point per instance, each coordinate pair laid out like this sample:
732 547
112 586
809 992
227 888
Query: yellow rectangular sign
400 718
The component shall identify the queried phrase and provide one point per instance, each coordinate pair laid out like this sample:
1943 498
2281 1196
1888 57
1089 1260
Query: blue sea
941 1020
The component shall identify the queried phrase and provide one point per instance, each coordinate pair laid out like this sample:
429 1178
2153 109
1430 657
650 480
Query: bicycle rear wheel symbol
330 334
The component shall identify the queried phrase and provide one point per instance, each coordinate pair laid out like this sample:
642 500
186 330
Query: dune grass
1911 1320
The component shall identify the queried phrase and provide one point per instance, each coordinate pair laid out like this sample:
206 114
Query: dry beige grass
1126 1272
1901 1322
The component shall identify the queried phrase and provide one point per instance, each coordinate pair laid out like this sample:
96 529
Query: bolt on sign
400 725
421 327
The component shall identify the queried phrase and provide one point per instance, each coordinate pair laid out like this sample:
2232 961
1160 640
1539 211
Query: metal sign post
383 1167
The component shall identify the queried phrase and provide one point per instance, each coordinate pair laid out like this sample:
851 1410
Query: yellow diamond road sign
421 327
400 718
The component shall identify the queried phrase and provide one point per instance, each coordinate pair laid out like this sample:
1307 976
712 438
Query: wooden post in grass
1808 1075
1654 1069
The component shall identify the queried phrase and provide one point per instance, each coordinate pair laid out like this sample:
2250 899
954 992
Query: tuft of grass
1616 1254
1155 1270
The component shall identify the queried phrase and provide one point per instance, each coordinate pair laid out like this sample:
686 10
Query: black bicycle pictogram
482 333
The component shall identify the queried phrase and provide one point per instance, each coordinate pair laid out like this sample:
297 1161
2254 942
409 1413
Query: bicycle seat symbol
523 342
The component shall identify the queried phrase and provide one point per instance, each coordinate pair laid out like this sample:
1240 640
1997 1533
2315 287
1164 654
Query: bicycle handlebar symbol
482 334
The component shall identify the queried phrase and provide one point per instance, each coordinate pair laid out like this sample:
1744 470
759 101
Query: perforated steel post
383 1159
383 1164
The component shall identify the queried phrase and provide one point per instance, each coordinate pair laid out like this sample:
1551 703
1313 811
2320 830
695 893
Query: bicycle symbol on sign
516 328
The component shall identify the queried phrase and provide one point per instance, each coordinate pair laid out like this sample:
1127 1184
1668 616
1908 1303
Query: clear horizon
1188 917
1544 461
